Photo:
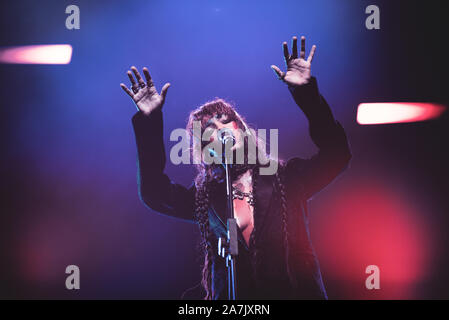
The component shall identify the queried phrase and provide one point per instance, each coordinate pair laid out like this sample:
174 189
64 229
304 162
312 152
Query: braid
283 199
252 239
202 216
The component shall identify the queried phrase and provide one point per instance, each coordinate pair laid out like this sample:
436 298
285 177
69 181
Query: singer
276 259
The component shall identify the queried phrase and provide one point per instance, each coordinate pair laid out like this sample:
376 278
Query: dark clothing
302 178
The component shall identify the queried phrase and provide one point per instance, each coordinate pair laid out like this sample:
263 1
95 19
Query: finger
278 72
138 77
148 77
125 88
286 54
131 78
164 90
311 54
295 47
302 53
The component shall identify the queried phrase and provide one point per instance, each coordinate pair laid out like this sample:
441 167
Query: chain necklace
239 194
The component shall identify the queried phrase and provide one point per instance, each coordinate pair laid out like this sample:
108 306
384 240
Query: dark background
68 171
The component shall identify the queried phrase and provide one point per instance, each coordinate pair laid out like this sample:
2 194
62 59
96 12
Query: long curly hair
207 178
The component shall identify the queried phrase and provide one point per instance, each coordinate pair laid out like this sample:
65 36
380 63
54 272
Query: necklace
239 194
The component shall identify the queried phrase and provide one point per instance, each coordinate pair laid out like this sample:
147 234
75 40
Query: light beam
37 54
383 113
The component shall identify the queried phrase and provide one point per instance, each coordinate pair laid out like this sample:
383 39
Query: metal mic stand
228 247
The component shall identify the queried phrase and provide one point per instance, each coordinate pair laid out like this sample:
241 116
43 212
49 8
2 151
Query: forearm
156 190
150 158
309 99
148 131
323 127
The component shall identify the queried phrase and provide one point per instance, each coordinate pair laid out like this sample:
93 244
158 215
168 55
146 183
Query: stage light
383 113
37 54
373 223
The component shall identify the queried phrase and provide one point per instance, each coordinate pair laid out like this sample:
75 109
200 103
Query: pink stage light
375 223
37 54
382 113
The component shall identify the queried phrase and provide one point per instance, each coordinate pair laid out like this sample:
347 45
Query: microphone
226 135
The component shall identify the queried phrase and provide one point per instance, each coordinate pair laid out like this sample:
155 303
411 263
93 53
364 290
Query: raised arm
312 175
156 190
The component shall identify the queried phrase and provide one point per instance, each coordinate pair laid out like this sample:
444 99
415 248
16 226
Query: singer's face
219 122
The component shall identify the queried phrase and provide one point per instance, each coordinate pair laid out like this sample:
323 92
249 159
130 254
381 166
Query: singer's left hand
298 69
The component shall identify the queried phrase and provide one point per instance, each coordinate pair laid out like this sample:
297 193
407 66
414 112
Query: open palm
298 69
145 95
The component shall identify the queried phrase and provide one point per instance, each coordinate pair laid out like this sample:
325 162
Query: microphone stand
228 247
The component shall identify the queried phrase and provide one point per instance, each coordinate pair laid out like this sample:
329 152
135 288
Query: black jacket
303 179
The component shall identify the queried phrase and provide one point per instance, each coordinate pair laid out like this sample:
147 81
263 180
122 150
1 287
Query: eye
226 120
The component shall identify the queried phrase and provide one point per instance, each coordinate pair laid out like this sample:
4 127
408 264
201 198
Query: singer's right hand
145 95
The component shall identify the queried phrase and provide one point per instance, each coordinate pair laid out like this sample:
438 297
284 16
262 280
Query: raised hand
145 95
298 69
